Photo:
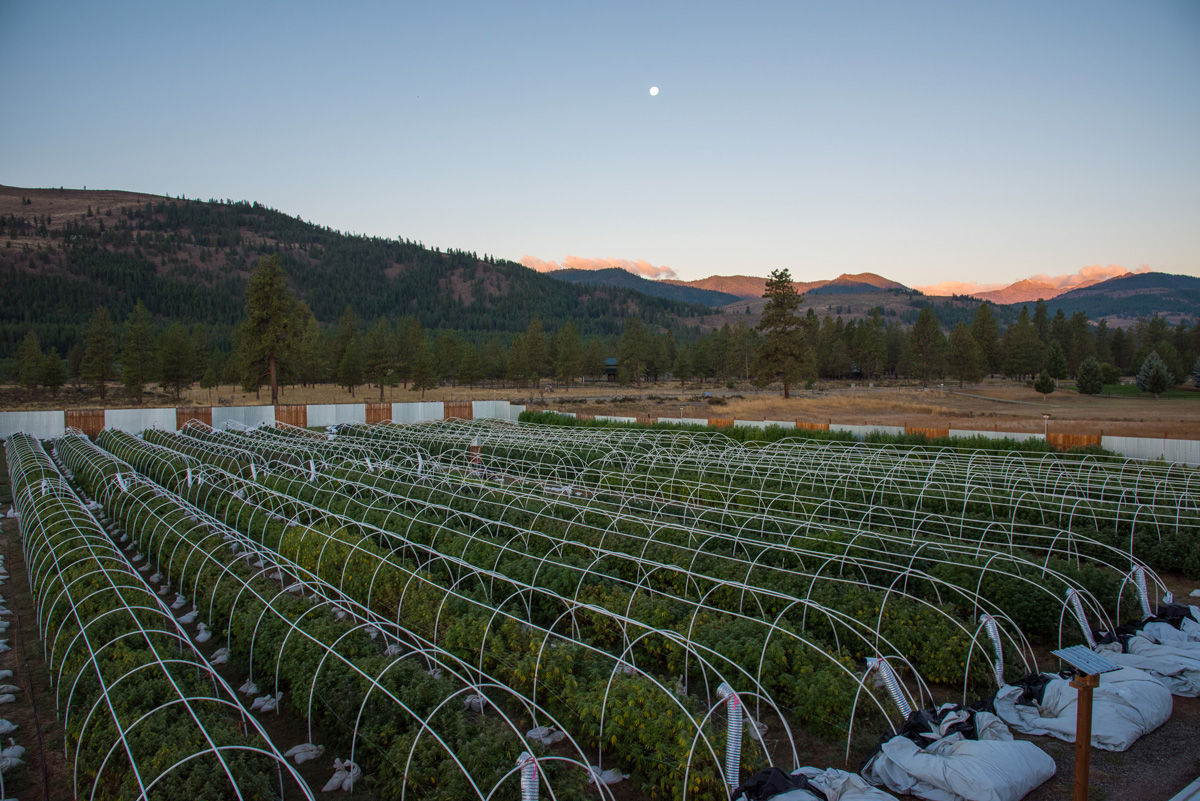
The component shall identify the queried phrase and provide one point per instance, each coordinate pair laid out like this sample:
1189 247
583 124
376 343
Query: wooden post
1083 683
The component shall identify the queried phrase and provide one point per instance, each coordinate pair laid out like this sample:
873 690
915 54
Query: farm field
418 599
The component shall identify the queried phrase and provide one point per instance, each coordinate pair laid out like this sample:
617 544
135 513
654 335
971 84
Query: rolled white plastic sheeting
1127 704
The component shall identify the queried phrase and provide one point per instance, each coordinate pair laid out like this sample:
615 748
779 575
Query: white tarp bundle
994 767
1127 704
837 785
1176 665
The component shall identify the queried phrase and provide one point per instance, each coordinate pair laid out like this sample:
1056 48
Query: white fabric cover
1127 704
1175 665
837 785
992 768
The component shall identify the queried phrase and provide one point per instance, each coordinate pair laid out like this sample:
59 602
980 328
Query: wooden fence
292 414
378 412
185 413
457 409
929 433
89 421
1065 442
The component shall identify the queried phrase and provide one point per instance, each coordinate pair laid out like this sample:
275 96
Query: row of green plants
1027 585
623 714
389 710
1161 528
137 716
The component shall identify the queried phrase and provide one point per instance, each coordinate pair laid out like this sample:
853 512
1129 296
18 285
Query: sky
928 142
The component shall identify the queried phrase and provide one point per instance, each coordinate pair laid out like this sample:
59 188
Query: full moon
653 90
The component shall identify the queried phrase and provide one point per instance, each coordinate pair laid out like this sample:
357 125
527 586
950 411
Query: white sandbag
13 752
608 777
8 764
957 769
475 702
1127 704
7 698
189 618
249 688
1177 668
546 735
7 728
305 753
339 775
6 674
9 688
205 635
220 656
179 602
352 774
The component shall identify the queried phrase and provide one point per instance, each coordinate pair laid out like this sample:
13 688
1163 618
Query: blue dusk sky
928 142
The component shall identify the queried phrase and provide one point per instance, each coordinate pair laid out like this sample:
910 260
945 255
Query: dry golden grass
994 406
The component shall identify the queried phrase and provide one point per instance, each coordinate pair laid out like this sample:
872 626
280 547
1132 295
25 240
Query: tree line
279 341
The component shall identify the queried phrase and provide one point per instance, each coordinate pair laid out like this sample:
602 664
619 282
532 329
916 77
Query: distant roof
611 361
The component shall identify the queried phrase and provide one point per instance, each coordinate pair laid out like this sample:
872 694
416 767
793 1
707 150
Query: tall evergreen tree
379 355
268 333
54 374
1196 371
568 355
1153 376
517 366
99 351
986 333
927 346
424 372
28 371
1044 384
964 356
470 370
1022 350
350 367
312 366
784 352
1056 360
138 361
175 360
537 351
634 351
1089 380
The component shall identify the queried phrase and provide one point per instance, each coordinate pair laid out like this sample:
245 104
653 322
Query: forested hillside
188 261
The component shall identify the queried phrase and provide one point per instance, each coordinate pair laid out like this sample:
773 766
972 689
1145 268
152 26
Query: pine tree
1044 384
1056 361
350 368
28 370
1090 381
927 346
784 350
1154 377
268 333
175 360
965 356
469 367
537 352
54 374
517 365
75 364
986 333
634 351
1022 349
568 355
311 364
379 355
1196 369
98 352
424 372
137 352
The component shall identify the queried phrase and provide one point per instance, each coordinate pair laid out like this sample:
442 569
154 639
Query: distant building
610 369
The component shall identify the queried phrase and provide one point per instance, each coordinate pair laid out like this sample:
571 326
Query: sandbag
958 754
1127 704
1176 667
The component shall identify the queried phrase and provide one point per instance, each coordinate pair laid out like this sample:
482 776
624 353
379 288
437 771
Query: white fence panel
43 425
332 414
251 416
490 410
137 420
1184 451
418 412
